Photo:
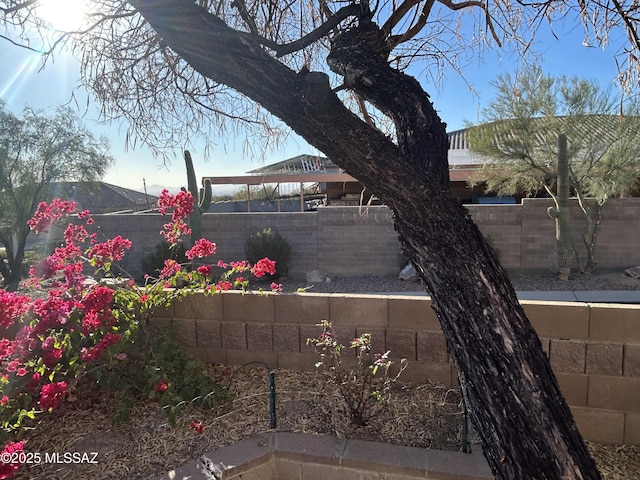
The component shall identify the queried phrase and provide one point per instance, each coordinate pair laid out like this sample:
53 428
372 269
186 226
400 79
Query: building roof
300 164
102 197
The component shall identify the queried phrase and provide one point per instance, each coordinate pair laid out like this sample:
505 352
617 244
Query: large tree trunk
516 406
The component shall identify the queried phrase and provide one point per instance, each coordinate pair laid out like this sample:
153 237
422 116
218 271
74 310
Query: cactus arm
195 217
206 195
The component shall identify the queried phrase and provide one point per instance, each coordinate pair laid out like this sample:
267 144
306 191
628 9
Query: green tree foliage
36 149
519 141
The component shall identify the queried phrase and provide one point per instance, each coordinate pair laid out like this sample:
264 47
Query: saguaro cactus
564 243
201 198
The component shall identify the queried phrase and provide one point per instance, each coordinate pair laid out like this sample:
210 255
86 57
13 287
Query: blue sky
21 84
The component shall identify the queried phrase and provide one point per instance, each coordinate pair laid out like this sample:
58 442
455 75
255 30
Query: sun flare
63 15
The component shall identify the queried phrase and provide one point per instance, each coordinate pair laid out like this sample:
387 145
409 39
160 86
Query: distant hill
156 189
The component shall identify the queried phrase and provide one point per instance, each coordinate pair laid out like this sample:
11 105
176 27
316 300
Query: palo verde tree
37 149
333 71
531 117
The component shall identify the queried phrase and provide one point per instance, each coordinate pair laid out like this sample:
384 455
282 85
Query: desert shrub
271 245
153 262
366 387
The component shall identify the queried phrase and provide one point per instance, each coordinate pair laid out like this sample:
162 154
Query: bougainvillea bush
78 331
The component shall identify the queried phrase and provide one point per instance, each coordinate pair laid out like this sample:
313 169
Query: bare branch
415 29
321 31
17 7
632 32
398 14
244 13
473 3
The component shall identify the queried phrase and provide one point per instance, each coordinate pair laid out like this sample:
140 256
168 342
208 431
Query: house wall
594 349
353 240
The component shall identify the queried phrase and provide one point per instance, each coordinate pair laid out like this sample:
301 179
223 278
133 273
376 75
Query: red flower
170 268
197 426
224 285
94 353
276 287
52 394
264 266
109 251
182 205
204 270
162 386
47 214
51 358
6 348
12 307
7 469
202 248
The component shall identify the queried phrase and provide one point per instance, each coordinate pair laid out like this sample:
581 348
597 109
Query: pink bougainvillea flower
6 348
182 205
224 285
12 307
94 353
112 250
171 267
7 469
202 248
204 270
263 267
52 394
197 426
276 287
162 386
52 357
48 213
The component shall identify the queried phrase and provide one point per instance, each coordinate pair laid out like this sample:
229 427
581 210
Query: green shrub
269 244
152 263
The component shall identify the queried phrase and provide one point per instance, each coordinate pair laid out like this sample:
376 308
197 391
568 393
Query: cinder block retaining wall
300 456
594 349
350 240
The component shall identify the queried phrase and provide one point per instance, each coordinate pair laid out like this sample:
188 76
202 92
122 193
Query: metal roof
300 164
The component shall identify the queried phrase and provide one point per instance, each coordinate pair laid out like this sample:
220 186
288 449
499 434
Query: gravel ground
522 280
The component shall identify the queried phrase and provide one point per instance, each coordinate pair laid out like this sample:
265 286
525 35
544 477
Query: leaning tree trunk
527 428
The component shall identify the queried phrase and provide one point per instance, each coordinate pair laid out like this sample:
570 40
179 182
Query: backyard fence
362 241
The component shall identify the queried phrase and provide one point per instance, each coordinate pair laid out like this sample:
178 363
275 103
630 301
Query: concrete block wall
594 349
359 241
301 456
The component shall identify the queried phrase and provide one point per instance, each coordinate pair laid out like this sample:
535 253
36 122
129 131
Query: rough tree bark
526 426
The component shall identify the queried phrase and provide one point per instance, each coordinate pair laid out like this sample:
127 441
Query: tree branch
18 7
244 13
331 23
632 32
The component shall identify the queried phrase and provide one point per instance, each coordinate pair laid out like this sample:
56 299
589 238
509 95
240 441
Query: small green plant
366 388
153 263
271 245
162 371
